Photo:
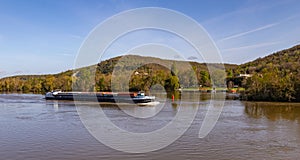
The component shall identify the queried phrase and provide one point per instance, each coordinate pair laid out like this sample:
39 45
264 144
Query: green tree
48 84
204 78
270 85
172 83
174 70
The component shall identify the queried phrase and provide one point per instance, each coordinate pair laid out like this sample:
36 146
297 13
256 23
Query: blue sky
43 36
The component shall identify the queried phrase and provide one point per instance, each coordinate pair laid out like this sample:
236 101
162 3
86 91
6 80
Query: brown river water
35 129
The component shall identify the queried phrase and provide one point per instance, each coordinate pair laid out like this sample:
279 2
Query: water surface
33 128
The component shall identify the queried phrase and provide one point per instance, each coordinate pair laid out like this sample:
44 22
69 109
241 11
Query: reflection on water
273 111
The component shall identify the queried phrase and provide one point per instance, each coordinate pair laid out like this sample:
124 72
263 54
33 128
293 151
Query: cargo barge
112 97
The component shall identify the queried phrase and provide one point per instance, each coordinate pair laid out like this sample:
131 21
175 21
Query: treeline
142 73
275 77
37 83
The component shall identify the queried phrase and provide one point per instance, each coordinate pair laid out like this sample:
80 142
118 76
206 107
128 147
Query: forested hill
276 77
143 77
287 60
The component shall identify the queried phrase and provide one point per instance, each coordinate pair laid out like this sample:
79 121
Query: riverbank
211 89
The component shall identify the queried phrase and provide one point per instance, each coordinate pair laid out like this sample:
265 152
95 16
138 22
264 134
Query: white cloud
67 54
249 32
249 8
250 46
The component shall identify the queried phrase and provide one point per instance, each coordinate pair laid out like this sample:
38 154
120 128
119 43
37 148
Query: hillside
287 60
143 72
276 77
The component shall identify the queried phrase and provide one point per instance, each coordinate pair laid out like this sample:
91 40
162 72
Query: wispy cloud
259 28
67 54
249 8
249 32
292 17
250 46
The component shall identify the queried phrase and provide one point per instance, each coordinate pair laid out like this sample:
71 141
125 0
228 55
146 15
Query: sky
44 36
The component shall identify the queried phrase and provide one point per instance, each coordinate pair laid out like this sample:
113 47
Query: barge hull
112 98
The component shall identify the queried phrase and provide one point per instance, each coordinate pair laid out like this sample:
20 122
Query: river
33 128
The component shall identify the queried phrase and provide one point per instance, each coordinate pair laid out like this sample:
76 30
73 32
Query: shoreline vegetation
273 78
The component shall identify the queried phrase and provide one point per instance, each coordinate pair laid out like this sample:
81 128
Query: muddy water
33 128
